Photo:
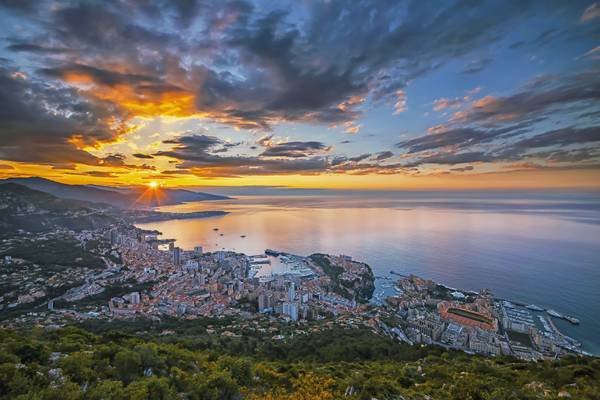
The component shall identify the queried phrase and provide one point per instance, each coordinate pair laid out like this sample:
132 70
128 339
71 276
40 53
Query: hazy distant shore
155 216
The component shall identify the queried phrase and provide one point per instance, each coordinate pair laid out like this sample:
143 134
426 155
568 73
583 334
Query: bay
541 248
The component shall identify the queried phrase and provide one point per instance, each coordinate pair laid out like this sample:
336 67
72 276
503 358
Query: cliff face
350 279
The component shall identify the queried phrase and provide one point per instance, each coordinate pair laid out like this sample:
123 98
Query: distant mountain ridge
35 211
118 197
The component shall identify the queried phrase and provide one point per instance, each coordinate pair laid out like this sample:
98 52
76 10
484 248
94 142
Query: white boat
572 320
554 314
508 304
534 307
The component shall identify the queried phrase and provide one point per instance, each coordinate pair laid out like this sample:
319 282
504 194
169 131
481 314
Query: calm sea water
541 248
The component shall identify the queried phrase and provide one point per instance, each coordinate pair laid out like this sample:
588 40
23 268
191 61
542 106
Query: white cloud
400 105
591 13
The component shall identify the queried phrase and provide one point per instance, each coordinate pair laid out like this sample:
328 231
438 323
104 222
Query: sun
153 185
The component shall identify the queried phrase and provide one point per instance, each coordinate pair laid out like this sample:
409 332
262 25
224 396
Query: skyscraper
176 255
291 309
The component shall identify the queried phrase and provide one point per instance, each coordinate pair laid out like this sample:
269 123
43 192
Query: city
299 200
156 279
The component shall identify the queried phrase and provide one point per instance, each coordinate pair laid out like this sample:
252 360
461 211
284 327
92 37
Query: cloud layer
77 76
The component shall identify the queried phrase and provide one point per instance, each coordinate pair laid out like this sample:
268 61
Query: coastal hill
27 209
131 197
350 279
36 211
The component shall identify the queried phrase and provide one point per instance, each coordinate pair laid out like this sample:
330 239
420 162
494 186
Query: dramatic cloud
295 149
580 90
456 138
522 149
99 83
514 127
560 137
51 124
247 67
197 155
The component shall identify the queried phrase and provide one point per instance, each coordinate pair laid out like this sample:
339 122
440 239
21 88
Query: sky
309 94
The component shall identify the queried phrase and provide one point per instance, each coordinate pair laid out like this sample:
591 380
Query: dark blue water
529 247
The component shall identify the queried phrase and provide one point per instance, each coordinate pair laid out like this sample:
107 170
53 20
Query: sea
540 247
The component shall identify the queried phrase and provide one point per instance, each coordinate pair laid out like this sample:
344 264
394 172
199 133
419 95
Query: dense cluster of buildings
153 278
190 284
473 322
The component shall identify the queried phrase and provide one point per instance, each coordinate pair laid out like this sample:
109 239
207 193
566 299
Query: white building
291 309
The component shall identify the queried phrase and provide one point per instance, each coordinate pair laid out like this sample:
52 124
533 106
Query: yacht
534 307
572 320
554 314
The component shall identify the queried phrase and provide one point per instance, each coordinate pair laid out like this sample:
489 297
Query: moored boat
554 314
534 307
572 320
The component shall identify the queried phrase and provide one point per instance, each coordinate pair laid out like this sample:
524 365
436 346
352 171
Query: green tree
153 388
128 364
106 390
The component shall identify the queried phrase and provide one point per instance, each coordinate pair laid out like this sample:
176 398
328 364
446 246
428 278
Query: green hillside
75 364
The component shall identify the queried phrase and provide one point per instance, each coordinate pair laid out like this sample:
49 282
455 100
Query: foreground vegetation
73 363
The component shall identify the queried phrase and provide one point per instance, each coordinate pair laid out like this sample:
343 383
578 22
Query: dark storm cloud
384 55
106 26
255 68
